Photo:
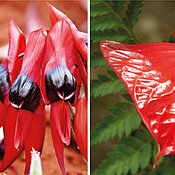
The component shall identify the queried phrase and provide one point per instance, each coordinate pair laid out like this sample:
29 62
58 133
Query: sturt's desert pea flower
64 72
27 108
17 44
79 39
51 69
10 67
147 71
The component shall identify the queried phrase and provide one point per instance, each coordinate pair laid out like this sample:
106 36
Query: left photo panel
44 87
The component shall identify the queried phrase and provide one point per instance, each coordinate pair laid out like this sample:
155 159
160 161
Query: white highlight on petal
16 106
69 96
171 120
1 133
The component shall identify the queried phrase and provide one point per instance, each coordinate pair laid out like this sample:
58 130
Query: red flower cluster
147 71
50 69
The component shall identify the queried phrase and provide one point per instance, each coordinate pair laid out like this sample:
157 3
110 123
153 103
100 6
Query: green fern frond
103 23
99 10
97 60
111 34
124 119
133 11
126 157
118 6
101 87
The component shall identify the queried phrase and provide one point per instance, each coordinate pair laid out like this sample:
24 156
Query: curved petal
80 126
11 153
17 45
3 113
22 128
147 70
60 113
58 144
56 15
35 139
60 55
79 39
33 55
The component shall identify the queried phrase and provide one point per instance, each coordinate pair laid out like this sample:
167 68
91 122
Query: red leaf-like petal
79 39
147 70
11 153
3 113
80 126
58 144
36 135
61 116
22 128
60 51
17 45
33 55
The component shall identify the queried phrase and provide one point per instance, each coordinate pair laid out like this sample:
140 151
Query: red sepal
147 70
36 135
81 126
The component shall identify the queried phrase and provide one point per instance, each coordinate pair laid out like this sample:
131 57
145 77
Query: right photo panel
132 87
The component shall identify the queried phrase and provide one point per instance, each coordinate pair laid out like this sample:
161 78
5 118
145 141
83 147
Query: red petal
36 135
3 113
147 70
60 50
56 15
80 126
33 55
58 144
22 128
61 116
17 45
11 153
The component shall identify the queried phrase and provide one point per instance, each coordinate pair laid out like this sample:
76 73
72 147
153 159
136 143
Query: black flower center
24 93
60 84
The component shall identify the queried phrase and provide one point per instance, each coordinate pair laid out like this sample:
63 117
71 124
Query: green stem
128 29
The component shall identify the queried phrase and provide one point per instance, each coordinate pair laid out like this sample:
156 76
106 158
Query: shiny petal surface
147 70
81 126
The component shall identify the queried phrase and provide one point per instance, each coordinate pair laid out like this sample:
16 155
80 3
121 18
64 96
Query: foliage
135 150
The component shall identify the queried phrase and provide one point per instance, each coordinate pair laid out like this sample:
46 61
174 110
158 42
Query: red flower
64 71
147 70
56 65
27 111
